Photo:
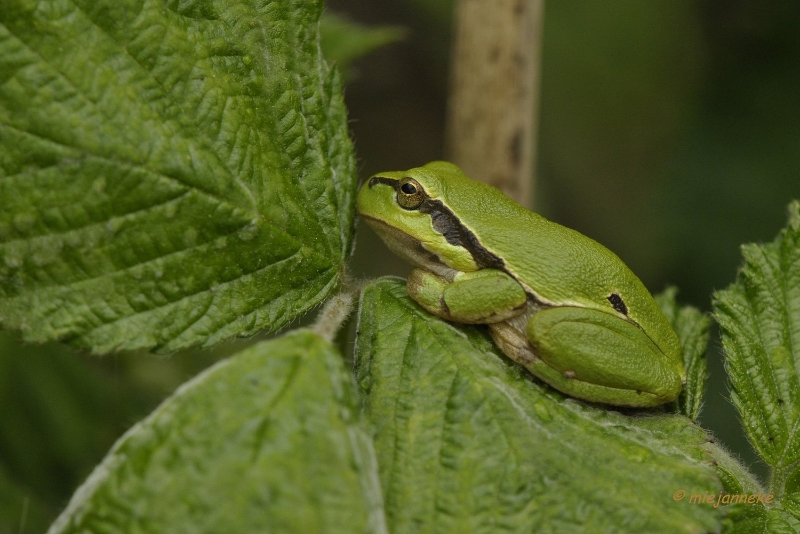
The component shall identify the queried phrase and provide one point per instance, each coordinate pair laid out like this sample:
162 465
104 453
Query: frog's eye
410 194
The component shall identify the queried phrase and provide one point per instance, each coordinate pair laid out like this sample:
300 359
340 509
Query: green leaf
757 519
745 519
740 517
344 41
692 327
734 476
759 316
171 173
268 440
468 442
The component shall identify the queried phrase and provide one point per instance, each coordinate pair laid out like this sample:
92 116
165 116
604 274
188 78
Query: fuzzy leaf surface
759 315
269 440
171 173
468 442
692 326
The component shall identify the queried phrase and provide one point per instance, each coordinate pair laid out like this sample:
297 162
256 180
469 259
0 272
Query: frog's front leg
485 296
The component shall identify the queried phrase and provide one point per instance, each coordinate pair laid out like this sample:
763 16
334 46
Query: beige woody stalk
494 87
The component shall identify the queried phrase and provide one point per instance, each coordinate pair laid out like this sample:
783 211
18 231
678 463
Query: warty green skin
556 266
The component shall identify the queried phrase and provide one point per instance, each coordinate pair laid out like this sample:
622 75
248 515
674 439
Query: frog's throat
409 248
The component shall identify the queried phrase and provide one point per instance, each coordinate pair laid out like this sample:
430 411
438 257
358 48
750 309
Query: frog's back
554 263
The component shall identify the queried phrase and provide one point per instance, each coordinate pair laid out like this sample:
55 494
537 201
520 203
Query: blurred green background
669 131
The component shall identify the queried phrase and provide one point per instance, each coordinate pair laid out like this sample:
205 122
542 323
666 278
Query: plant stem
333 316
494 88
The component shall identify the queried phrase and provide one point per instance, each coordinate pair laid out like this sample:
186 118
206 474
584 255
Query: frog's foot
510 337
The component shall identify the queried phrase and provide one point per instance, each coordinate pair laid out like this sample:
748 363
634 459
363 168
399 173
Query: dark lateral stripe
618 304
447 224
392 182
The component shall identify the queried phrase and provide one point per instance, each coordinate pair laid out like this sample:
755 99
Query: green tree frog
556 302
